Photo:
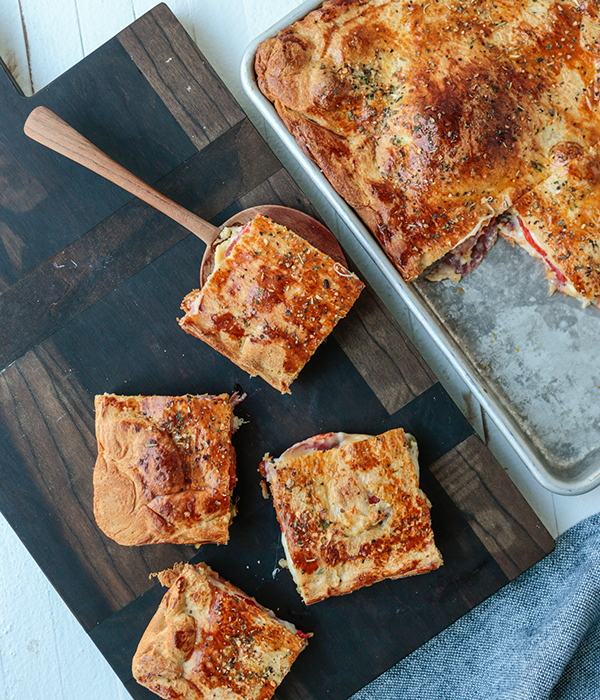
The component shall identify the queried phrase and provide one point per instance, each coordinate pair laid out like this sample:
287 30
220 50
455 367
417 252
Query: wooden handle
47 128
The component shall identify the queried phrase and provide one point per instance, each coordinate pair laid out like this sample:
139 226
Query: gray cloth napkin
538 638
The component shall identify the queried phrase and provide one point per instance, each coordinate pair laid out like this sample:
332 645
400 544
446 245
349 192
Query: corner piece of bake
433 118
208 639
270 302
558 222
351 512
165 468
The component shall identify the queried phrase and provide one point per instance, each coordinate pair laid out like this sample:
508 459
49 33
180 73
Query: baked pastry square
210 640
432 118
270 302
558 222
351 512
165 469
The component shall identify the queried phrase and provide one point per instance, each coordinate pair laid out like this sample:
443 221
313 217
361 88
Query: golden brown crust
165 468
270 303
563 213
352 516
209 640
431 117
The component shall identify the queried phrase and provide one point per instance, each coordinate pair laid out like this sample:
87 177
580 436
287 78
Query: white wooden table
44 653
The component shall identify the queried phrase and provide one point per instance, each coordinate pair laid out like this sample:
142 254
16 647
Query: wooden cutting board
90 286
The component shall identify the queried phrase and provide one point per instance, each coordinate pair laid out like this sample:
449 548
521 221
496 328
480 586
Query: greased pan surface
530 359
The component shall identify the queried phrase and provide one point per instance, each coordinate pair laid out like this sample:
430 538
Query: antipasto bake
270 302
351 512
432 119
165 469
210 640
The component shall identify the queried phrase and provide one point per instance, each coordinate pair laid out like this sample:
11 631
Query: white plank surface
100 20
53 34
44 653
13 48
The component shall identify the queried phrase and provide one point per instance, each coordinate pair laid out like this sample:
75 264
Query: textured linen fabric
538 638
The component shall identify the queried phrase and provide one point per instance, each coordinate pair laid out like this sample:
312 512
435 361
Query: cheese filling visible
290 563
446 268
514 230
465 256
328 441
321 443
225 238
413 451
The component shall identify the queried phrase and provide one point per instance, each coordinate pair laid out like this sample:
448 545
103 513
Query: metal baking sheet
531 360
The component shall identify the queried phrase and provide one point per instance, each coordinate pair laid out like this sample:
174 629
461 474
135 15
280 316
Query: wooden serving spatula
47 128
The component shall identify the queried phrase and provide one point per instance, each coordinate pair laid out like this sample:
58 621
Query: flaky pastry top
271 302
430 118
352 515
165 468
208 639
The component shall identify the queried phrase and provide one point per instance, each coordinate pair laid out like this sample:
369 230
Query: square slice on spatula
270 302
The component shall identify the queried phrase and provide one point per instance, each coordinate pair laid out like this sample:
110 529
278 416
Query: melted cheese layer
225 237
514 230
321 443
329 441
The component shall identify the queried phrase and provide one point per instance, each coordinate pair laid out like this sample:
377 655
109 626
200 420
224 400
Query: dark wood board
90 285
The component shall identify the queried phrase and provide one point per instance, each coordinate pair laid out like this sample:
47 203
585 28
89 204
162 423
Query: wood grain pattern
493 506
49 418
121 245
339 659
383 354
45 127
181 76
47 197
280 187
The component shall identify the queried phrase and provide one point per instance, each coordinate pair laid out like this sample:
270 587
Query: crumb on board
264 489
